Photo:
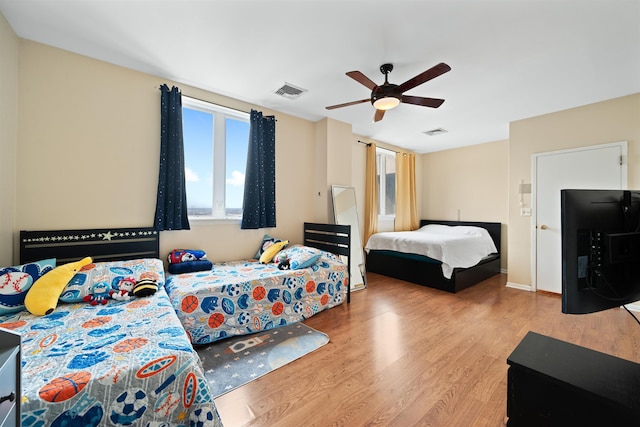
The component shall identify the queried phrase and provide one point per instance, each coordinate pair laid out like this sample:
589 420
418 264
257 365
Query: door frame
534 213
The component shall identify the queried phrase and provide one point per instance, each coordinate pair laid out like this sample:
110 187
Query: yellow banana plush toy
42 297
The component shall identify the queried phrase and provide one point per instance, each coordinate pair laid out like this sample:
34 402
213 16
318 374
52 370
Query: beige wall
334 159
468 184
609 121
9 54
89 145
87 155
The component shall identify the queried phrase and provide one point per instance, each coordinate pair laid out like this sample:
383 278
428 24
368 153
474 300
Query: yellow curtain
406 205
371 195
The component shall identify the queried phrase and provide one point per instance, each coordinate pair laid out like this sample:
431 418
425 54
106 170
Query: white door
593 167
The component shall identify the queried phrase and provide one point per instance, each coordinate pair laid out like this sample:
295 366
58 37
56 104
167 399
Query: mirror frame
358 269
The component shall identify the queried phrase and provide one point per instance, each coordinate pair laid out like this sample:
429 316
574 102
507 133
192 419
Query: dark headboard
102 244
494 228
331 238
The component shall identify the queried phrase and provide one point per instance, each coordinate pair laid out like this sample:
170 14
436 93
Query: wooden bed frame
428 272
331 238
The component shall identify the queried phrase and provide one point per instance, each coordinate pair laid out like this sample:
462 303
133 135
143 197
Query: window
386 172
215 155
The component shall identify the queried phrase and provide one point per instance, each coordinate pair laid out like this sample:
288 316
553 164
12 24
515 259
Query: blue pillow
190 266
299 256
16 281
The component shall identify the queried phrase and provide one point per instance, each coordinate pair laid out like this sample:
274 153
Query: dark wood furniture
102 244
428 272
331 238
10 377
555 383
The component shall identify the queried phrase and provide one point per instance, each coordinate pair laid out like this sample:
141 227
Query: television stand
555 383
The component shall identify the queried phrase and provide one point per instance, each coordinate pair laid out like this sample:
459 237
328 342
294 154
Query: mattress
242 297
453 246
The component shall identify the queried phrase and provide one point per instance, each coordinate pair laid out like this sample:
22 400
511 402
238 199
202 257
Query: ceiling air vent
434 132
290 91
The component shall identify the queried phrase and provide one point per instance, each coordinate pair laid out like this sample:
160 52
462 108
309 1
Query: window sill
207 220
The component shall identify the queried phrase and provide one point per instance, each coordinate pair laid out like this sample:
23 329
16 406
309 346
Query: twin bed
133 362
242 297
448 259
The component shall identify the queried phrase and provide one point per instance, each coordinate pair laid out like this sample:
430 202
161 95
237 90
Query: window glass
390 185
215 148
237 145
386 173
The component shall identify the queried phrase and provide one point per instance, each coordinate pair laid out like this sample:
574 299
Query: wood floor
402 355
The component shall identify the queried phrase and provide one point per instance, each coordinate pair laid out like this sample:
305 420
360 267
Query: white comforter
454 246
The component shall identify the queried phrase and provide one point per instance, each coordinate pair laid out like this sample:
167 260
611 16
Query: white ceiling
510 59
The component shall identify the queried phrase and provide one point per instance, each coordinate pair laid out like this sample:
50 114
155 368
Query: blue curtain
171 205
259 206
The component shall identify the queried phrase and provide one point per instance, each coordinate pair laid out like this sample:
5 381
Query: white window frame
219 160
381 184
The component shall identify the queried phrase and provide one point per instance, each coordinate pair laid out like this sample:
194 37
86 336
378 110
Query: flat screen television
600 249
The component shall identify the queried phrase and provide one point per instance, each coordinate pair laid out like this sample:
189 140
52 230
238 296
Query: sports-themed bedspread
242 297
120 364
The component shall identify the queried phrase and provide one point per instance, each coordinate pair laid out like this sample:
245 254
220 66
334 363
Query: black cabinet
555 383
9 378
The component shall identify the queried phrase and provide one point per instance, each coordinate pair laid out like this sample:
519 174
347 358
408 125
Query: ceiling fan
388 95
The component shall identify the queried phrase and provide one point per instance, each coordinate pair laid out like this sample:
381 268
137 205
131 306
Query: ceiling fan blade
431 73
346 104
362 79
425 102
379 115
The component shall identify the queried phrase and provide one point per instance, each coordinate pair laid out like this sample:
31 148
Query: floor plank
402 354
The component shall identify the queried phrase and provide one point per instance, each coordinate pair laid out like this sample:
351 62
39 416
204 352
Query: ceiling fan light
386 103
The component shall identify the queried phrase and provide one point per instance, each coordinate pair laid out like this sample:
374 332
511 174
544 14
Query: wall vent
434 132
290 91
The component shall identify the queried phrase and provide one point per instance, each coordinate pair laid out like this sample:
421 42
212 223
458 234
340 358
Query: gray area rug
235 361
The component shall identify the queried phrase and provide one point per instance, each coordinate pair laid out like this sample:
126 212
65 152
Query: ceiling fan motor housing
387 90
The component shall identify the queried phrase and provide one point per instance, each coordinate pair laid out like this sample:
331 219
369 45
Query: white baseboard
519 286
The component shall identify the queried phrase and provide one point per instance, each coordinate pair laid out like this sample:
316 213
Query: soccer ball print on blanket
126 363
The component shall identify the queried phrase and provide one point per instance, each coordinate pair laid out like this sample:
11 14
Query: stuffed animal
43 295
285 264
125 289
272 250
177 256
99 294
145 287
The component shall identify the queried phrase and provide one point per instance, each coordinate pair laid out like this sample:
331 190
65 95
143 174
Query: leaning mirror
346 213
